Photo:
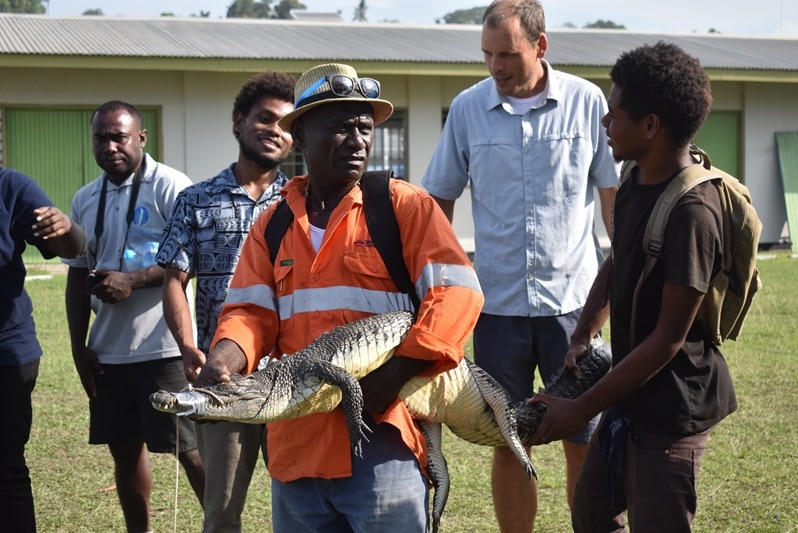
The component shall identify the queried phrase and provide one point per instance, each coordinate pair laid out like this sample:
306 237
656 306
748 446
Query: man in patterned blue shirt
203 239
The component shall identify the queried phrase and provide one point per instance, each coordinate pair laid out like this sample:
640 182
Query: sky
777 18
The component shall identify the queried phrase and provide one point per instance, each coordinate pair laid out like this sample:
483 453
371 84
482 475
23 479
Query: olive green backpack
733 288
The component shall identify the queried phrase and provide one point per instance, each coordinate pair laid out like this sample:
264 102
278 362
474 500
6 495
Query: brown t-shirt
694 391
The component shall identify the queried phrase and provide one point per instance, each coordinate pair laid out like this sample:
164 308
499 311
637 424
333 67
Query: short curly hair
665 81
270 83
112 106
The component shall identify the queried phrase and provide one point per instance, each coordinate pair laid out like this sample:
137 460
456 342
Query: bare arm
680 304
177 313
593 316
607 200
64 237
78 310
382 386
447 206
118 286
679 307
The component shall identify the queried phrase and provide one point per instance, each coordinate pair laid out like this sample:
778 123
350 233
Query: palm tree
360 12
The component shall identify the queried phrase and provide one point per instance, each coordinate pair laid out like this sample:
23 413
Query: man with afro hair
203 239
669 386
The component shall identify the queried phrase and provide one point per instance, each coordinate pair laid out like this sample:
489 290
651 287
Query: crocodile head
243 397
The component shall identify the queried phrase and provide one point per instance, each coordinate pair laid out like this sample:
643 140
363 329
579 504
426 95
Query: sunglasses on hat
343 86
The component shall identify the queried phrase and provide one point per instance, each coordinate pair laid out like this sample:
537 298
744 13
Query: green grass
748 480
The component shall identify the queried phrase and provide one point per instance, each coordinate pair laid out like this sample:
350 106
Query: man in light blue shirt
529 142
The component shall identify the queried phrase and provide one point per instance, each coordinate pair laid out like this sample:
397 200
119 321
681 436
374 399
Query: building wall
197 136
207 122
75 87
768 108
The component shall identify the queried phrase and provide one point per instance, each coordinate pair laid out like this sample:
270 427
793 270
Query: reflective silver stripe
342 297
260 295
445 275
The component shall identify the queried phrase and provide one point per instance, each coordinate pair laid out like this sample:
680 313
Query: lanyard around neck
99 225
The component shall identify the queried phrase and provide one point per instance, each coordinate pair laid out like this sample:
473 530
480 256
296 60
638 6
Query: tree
248 9
605 25
360 12
34 7
93 12
283 9
465 16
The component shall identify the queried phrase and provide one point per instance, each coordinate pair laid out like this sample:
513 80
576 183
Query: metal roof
257 39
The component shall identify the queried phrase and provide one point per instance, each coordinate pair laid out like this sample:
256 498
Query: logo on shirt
140 216
366 243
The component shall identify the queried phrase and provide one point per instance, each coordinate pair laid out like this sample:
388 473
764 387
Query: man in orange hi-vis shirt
327 273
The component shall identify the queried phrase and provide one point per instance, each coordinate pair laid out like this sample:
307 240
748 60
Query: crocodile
324 375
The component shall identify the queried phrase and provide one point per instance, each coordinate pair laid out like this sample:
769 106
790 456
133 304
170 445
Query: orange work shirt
281 308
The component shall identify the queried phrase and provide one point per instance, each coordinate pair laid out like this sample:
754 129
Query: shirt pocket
367 262
495 170
229 233
283 280
492 156
285 297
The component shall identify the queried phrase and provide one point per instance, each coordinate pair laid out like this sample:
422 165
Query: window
388 150
389 146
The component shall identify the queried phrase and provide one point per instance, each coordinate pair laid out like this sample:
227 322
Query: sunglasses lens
370 87
342 85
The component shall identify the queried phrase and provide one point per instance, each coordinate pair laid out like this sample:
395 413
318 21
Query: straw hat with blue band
331 83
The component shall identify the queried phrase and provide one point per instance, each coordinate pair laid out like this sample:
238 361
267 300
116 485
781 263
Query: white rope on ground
177 468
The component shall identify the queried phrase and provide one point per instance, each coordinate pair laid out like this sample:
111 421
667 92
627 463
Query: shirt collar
552 86
226 181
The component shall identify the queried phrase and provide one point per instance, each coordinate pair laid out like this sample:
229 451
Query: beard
264 160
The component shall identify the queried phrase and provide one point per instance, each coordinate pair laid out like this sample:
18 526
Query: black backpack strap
384 229
381 222
276 228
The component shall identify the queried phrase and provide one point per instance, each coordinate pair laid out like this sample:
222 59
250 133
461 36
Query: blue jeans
387 492
16 415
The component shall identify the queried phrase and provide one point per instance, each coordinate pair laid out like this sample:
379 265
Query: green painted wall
787 147
720 138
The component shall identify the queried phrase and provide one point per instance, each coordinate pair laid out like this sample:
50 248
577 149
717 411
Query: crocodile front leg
351 399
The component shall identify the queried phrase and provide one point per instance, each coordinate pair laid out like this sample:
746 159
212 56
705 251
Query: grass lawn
748 480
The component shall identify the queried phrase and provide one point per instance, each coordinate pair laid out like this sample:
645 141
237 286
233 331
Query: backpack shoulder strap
627 169
381 221
689 177
654 235
276 228
384 229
